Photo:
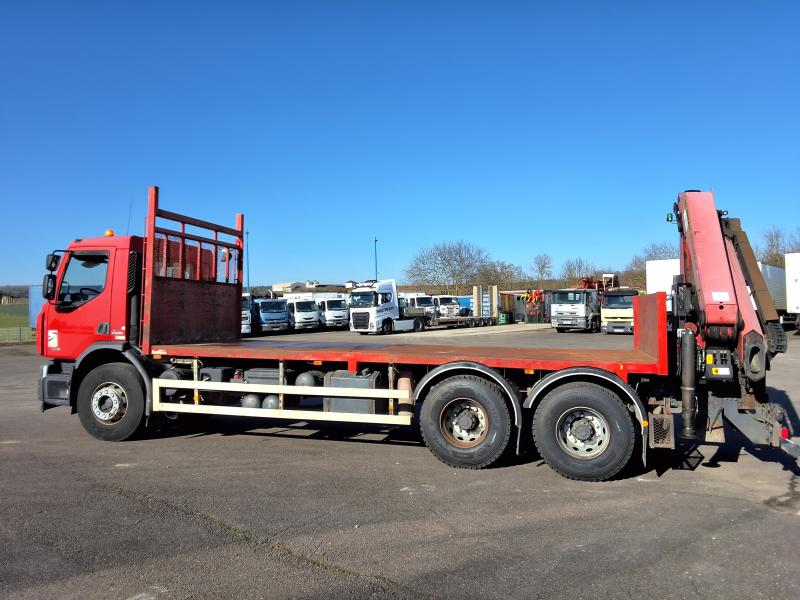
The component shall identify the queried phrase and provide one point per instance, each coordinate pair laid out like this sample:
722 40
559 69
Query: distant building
291 286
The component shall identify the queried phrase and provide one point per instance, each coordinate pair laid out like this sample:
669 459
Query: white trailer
793 285
660 273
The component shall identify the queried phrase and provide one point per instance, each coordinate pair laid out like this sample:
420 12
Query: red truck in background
137 326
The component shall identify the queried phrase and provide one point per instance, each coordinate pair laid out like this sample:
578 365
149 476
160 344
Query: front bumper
306 325
274 326
54 384
612 327
247 328
570 322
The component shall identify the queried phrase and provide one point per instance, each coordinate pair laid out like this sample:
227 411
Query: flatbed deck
385 352
649 355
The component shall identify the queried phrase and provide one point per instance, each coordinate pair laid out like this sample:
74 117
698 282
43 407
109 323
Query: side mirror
49 286
51 263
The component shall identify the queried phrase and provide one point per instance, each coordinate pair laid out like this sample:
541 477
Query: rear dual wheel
584 431
465 422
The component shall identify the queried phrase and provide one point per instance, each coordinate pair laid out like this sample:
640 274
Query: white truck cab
334 312
303 314
576 309
447 306
424 303
247 314
376 308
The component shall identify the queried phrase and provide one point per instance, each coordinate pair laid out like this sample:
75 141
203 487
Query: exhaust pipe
688 377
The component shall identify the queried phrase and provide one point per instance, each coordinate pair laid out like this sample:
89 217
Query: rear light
784 433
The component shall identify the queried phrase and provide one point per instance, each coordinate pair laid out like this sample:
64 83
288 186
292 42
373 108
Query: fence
17 334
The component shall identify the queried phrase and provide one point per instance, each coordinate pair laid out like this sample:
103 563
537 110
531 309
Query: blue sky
524 127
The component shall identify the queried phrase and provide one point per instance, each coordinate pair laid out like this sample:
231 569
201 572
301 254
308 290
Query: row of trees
775 243
454 267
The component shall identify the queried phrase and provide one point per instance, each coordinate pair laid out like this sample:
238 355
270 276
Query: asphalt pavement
232 508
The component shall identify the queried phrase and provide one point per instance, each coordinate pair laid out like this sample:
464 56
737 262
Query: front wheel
584 431
465 422
419 325
111 402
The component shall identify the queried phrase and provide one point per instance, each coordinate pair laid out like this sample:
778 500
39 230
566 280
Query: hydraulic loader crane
727 328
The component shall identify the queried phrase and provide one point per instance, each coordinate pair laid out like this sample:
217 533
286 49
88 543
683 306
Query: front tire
419 325
583 431
111 402
465 422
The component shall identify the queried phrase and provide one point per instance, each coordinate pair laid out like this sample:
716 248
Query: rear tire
583 431
111 402
465 422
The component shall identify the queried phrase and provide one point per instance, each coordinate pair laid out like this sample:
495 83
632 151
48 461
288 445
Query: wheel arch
445 371
600 377
103 353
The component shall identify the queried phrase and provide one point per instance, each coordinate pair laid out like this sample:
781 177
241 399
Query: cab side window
384 298
84 279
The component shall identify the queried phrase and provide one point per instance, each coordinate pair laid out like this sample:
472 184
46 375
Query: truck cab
273 314
616 310
575 309
248 311
424 303
447 306
333 312
374 307
303 314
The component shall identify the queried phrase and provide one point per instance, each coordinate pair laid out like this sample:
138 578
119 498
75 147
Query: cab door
81 312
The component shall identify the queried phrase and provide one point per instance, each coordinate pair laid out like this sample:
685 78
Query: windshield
575 297
422 301
305 306
447 300
615 301
336 304
362 299
272 306
84 279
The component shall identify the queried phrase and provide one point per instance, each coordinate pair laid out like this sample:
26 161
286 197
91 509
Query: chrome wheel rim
583 433
464 423
109 402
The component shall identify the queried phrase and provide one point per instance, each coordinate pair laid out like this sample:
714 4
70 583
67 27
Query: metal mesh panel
662 434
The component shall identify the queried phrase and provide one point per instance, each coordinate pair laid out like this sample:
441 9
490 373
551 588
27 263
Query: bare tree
506 275
775 245
542 268
634 273
574 269
451 266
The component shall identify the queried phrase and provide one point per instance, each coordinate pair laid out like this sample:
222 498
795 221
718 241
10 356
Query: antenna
130 210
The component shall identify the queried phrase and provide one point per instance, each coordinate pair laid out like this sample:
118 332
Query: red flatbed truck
138 326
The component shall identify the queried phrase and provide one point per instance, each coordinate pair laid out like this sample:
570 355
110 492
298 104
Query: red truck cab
86 307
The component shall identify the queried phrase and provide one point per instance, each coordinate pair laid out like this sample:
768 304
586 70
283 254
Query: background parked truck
575 309
273 314
303 314
616 310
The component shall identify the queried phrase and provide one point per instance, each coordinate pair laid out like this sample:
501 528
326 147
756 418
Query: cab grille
360 320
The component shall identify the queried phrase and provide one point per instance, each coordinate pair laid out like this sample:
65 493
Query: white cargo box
793 282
